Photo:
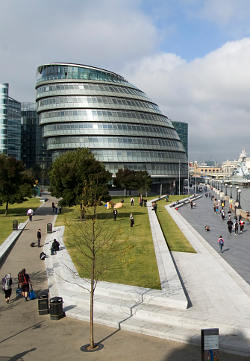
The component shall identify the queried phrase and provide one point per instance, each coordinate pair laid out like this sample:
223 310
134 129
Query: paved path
24 335
236 248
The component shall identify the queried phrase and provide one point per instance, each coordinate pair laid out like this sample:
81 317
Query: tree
143 181
73 170
15 183
130 179
93 240
125 179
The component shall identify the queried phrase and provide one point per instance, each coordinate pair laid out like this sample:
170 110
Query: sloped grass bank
174 237
16 211
139 266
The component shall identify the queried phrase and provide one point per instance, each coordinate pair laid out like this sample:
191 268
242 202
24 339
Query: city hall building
84 106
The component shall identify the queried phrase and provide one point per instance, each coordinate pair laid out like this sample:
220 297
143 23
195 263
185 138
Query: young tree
71 170
15 182
93 241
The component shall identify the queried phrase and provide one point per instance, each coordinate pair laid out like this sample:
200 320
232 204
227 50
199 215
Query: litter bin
56 308
15 225
43 303
49 227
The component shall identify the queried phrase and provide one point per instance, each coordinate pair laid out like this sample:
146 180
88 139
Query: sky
191 57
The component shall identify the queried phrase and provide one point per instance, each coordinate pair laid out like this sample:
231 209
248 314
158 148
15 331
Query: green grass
174 237
138 266
16 211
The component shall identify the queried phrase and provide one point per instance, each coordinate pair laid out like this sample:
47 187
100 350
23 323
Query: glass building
33 149
10 123
84 106
182 130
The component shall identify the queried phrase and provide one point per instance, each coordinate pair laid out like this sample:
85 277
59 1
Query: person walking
132 221
39 236
30 213
24 282
222 214
242 223
53 207
115 214
221 243
229 225
6 286
236 227
132 201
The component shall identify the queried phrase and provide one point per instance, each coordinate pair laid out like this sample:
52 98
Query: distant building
10 123
204 170
34 152
84 106
182 131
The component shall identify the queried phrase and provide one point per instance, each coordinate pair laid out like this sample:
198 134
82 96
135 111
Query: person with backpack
24 283
221 243
6 286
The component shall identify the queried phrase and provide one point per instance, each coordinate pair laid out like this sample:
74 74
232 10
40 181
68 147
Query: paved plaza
24 335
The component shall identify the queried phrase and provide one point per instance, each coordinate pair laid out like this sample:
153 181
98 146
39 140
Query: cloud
210 93
102 33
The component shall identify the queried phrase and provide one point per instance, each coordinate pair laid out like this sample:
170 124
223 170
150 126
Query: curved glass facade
84 106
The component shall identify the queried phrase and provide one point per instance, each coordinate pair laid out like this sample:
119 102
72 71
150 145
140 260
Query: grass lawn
16 211
139 266
174 237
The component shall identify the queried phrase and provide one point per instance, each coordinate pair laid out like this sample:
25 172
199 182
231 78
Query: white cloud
102 33
210 93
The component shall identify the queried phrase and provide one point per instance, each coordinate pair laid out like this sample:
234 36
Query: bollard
210 344
49 227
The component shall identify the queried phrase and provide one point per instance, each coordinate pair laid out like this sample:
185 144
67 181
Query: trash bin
15 225
56 308
49 227
43 303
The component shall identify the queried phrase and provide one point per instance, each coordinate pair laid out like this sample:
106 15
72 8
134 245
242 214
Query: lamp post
239 192
231 187
225 189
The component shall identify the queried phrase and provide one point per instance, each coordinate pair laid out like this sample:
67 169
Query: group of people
235 225
24 284
56 208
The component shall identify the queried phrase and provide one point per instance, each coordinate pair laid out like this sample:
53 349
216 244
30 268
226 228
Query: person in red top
221 243
24 282
242 223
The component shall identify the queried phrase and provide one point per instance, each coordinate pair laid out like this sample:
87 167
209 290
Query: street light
239 192
225 189
231 190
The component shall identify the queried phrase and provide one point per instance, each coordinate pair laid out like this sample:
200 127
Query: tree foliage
131 180
74 170
15 183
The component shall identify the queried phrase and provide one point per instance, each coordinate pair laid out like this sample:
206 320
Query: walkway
24 335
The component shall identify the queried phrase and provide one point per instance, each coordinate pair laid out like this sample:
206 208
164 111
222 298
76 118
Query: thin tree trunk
6 207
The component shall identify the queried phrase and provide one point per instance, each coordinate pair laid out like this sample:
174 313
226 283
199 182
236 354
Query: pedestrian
242 223
56 208
236 227
39 236
59 208
229 225
115 214
132 221
191 204
24 282
145 202
207 228
6 286
221 243
53 207
30 213
132 201
222 214
154 206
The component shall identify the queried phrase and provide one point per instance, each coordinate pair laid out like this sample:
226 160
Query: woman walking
6 286
221 243
24 282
